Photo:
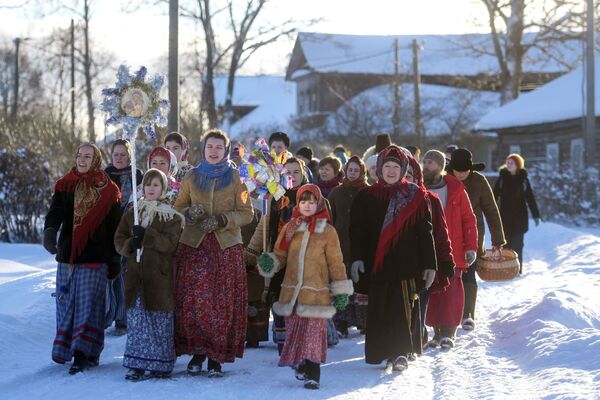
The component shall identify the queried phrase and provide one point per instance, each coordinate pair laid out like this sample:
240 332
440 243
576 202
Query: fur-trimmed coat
314 270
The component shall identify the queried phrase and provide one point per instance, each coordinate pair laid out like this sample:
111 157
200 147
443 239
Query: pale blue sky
141 37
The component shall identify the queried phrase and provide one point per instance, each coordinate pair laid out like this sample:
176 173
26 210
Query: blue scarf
222 172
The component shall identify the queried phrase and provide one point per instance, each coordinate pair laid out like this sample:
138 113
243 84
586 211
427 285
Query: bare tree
553 21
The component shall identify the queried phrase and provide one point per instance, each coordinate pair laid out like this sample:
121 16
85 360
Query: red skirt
305 339
445 308
210 300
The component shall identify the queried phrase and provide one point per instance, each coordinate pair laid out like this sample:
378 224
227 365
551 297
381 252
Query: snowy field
537 337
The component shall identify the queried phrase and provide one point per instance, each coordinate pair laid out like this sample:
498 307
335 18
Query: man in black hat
482 200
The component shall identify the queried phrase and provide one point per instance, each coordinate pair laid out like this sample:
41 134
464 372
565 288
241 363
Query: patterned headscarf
298 219
395 154
94 196
361 181
161 151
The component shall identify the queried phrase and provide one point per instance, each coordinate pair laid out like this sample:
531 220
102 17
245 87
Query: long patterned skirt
306 339
149 339
210 300
80 307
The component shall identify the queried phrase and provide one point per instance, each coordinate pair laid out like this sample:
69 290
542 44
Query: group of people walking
386 243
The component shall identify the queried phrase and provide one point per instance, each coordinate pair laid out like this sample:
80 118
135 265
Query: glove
50 240
213 223
428 277
537 221
446 268
194 213
266 263
357 266
340 301
137 236
470 257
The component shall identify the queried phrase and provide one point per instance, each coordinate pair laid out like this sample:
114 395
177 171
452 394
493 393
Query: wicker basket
503 268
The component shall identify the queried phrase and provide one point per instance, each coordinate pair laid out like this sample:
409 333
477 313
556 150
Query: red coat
443 249
461 221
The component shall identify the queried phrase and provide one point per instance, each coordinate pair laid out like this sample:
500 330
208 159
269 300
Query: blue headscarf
206 173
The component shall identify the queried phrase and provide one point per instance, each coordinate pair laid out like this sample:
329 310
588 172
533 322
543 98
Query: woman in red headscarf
85 208
393 258
308 249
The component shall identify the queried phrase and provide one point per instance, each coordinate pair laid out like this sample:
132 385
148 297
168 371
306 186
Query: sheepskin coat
314 270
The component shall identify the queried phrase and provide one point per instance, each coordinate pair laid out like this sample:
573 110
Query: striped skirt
80 306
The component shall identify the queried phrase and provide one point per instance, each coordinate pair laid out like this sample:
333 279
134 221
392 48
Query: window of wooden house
577 150
514 148
552 155
301 101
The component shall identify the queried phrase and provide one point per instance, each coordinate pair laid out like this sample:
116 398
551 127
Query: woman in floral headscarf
165 161
85 208
393 258
210 274
341 199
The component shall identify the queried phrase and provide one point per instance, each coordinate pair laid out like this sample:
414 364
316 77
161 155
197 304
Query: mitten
428 277
194 213
209 224
340 301
470 257
357 266
50 240
137 236
266 263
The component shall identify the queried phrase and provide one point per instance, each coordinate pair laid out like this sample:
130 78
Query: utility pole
13 113
173 122
417 94
590 117
396 104
72 78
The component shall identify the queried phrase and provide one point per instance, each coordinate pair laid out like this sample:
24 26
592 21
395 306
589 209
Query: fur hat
372 161
462 160
382 141
437 157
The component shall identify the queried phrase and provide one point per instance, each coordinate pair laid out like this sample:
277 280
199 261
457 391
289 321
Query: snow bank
536 337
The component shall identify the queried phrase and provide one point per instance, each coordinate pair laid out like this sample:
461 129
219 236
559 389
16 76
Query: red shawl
297 218
407 205
95 194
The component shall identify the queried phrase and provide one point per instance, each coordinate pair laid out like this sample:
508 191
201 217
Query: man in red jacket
445 308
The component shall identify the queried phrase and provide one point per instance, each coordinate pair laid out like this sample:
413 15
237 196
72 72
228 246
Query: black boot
214 369
313 375
79 363
194 367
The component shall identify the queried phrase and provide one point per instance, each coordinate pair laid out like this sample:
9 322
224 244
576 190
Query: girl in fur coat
148 285
308 249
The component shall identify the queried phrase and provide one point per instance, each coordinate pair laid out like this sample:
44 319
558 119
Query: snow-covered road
536 337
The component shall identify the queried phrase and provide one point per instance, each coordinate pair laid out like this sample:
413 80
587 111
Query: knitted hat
372 161
462 160
305 152
382 141
437 157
